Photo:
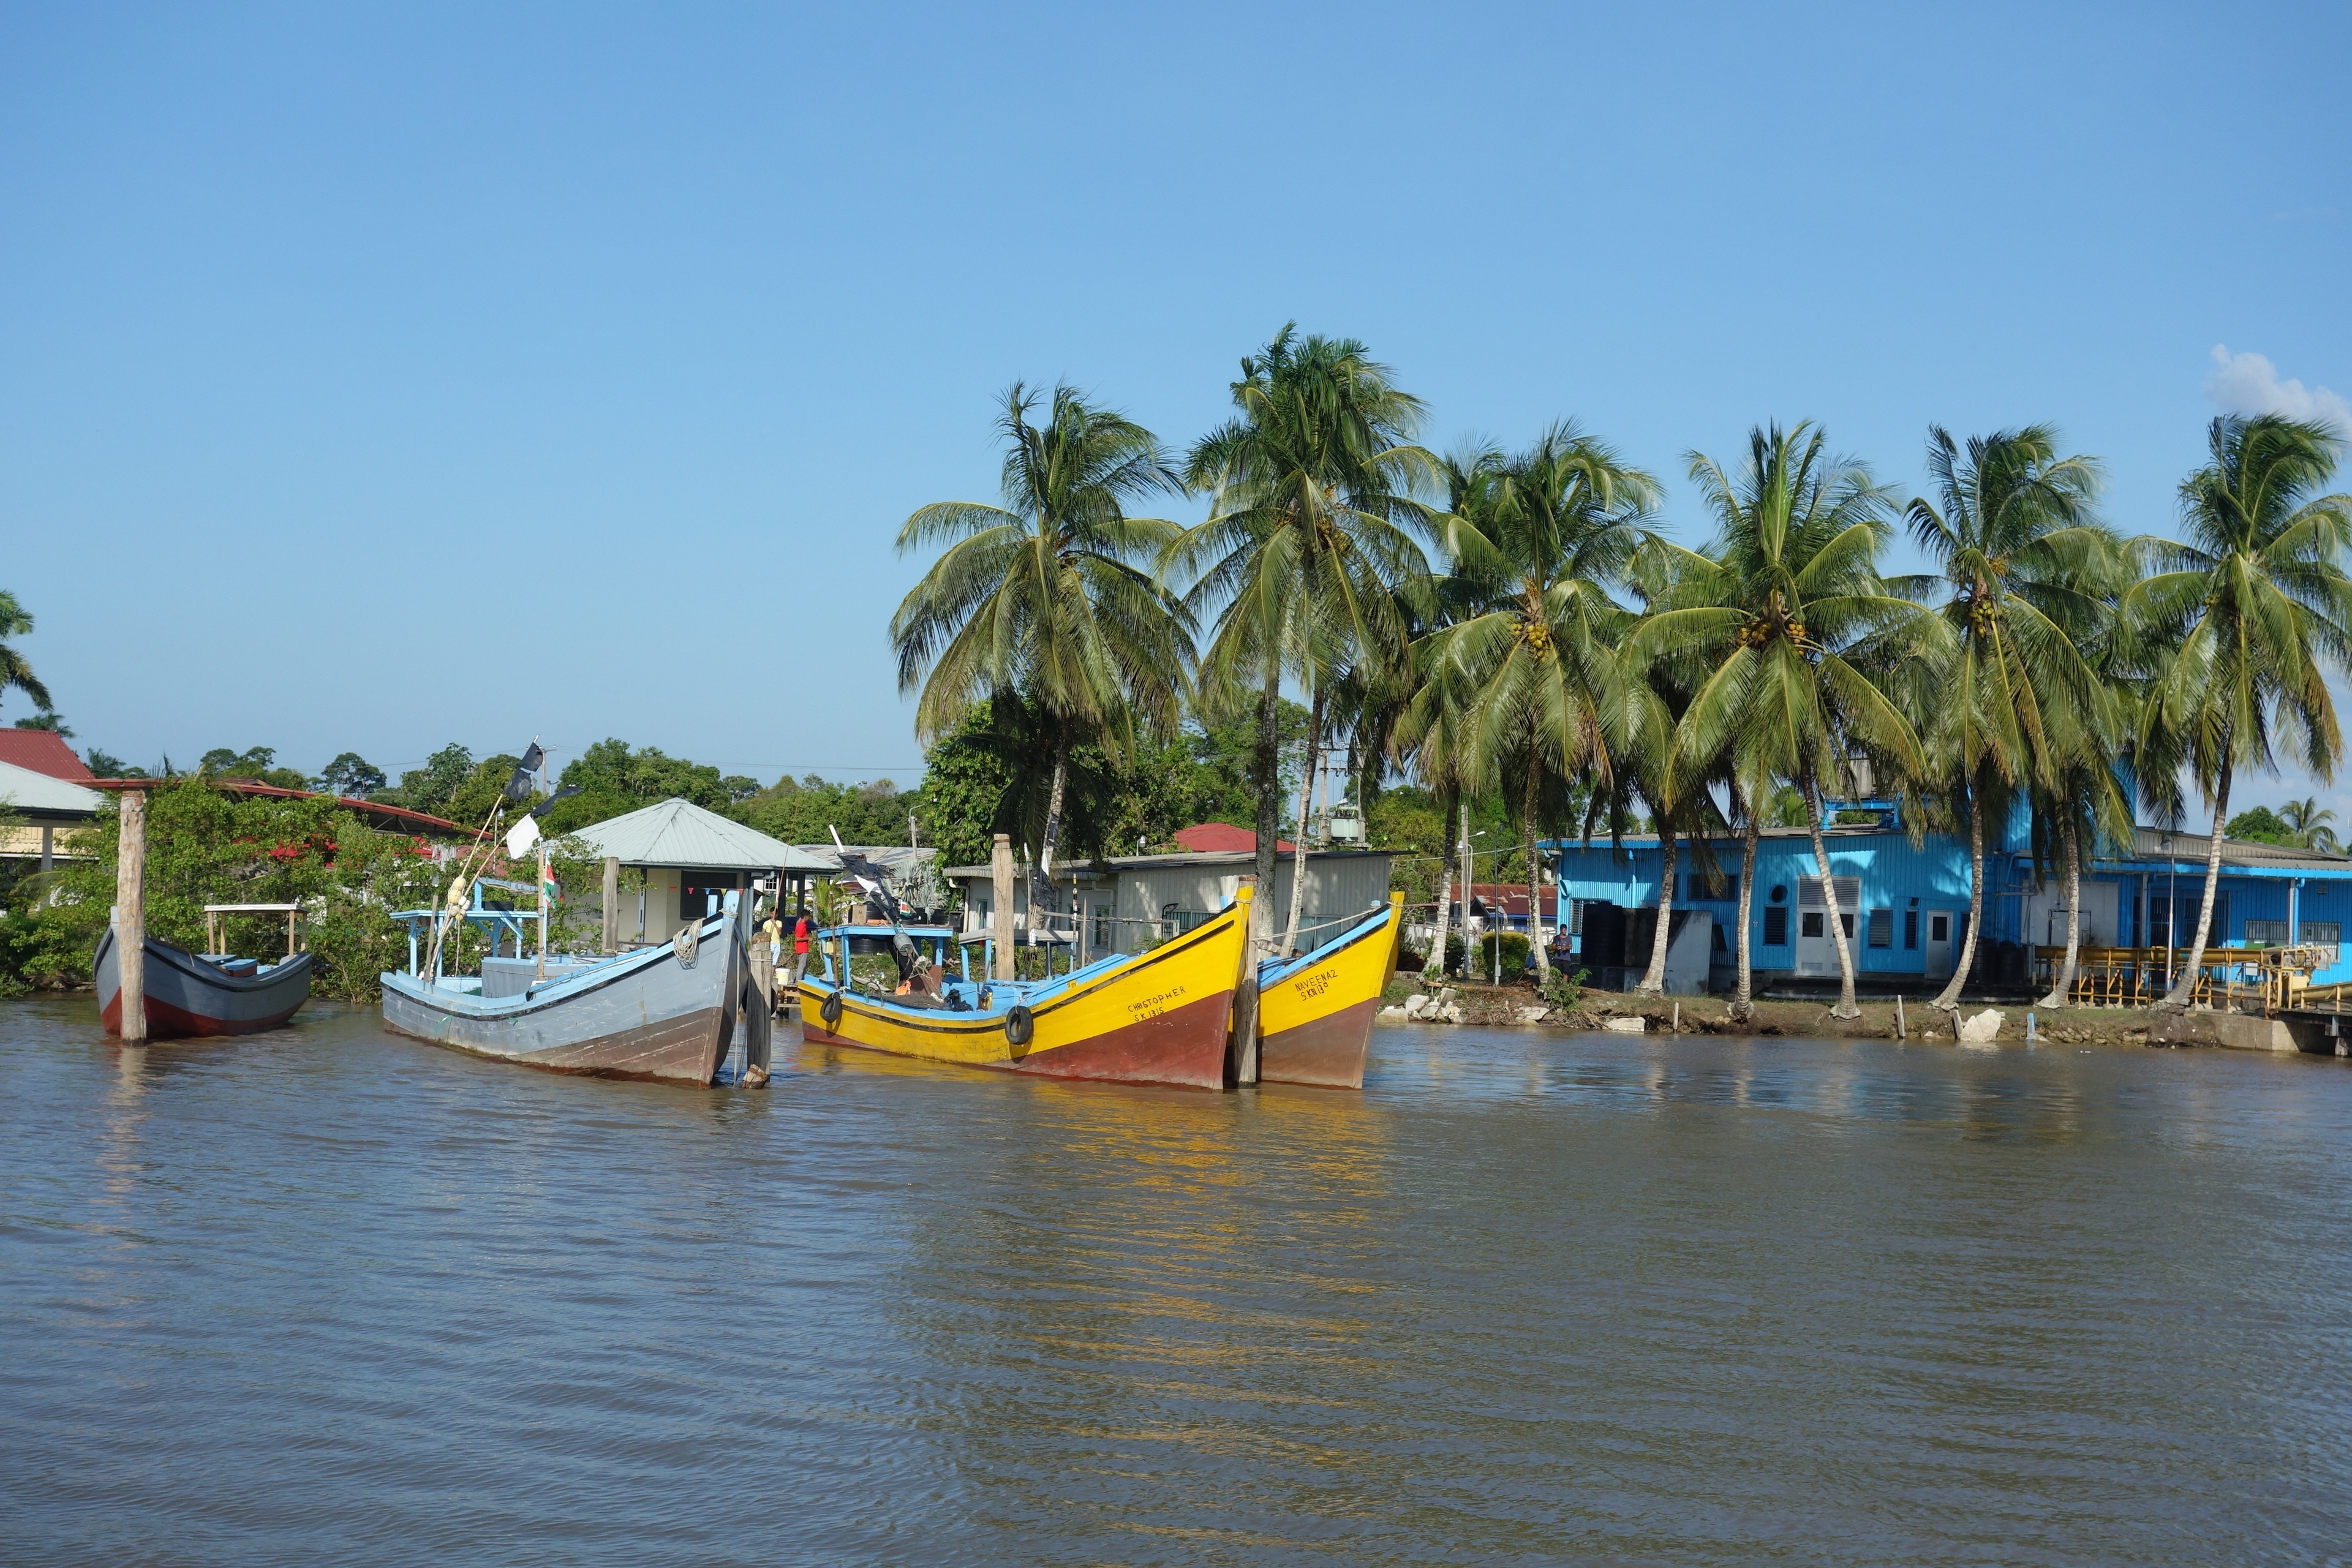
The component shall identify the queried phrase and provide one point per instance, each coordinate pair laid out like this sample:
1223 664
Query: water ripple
331 1294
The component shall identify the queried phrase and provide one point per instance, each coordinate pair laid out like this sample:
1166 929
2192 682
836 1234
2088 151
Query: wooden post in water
1898 1014
1000 871
611 904
130 915
1244 1030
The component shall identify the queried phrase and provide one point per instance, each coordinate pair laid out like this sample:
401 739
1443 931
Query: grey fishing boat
667 1013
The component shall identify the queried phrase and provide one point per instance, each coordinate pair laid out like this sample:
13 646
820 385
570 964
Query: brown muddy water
332 1295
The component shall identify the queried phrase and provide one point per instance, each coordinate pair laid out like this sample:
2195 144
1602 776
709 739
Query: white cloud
2250 383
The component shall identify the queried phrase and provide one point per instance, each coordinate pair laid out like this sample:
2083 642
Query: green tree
205 845
2239 625
352 774
614 779
1049 596
2307 824
812 809
2261 826
53 723
1538 542
258 764
1787 611
15 670
1310 534
2025 570
431 787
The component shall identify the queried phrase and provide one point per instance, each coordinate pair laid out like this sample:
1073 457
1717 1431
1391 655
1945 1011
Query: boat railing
217 925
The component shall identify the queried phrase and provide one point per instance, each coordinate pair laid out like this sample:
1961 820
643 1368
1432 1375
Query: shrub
1514 956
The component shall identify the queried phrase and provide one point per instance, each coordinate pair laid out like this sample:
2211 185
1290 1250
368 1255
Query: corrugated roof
27 789
42 752
678 833
2190 845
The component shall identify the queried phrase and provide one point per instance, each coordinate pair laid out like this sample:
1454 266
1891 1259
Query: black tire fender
830 1008
1020 1023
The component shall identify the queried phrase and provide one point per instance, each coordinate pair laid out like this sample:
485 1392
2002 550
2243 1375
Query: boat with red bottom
192 996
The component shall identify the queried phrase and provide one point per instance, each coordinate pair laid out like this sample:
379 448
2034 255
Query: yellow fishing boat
1162 1016
1314 1011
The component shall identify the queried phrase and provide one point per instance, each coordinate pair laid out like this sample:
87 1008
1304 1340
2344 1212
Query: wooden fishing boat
1314 1011
192 995
1159 1017
666 1012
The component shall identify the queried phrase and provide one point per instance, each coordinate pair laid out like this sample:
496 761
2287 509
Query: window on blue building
1911 931
1720 888
1882 927
1776 925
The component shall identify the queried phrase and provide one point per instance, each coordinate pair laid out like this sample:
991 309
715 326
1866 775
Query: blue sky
375 377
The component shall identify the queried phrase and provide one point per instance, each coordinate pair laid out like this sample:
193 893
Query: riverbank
1517 1005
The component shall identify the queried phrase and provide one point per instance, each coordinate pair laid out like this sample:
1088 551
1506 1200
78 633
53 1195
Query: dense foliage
208 847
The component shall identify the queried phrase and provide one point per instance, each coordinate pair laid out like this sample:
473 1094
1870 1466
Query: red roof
1223 838
394 817
1511 898
43 751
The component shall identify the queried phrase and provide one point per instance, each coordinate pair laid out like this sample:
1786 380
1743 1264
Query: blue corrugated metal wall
1901 878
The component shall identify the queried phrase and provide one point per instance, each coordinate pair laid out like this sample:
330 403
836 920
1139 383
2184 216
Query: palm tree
2308 823
1786 610
1051 595
2025 570
1538 542
1310 534
2240 625
15 670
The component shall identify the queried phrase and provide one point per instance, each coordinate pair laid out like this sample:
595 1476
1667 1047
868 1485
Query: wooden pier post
611 904
1246 999
130 915
1898 1014
1000 871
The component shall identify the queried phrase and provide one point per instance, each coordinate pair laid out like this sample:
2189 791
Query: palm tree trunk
1535 877
2064 987
1742 1008
1041 891
1948 999
1847 1008
1469 952
1306 810
1266 764
2186 990
1435 962
1654 982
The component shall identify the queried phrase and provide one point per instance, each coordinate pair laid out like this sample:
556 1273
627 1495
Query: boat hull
1314 1012
1159 1018
187 998
650 1016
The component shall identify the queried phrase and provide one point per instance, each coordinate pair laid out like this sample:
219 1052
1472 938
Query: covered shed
687 855
43 804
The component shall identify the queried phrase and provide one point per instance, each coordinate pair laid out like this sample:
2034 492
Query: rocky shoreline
1614 1012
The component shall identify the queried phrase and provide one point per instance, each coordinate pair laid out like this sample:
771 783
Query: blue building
1905 907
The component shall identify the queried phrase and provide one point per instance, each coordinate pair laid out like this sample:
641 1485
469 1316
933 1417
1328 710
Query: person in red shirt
800 944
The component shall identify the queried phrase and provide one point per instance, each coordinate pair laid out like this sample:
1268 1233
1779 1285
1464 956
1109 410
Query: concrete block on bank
2229 1031
1624 1025
1981 1030
1534 1014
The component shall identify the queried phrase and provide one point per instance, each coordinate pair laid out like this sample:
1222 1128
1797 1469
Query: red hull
1183 1047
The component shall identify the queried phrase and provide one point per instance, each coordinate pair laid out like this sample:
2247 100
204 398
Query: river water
332 1295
